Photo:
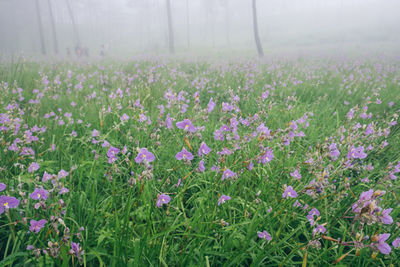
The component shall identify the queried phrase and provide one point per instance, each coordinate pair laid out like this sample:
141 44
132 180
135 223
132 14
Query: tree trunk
187 24
255 28
42 45
228 39
53 27
170 29
76 33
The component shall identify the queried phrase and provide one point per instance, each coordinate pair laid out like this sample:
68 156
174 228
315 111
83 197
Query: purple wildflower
384 247
296 174
211 105
46 177
111 154
319 229
201 167
396 242
204 149
2 187
356 153
95 133
163 199
314 212
267 156
168 121
263 130
184 155
228 174
289 192
386 218
62 174
333 151
39 194
76 249
63 191
33 167
223 199
37 225
369 130
8 203
186 125
264 235
144 155
124 117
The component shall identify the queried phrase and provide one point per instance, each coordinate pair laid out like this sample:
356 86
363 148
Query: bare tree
170 29
255 28
53 27
76 33
187 24
225 5
39 20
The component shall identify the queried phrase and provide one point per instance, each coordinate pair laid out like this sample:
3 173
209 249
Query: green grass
117 208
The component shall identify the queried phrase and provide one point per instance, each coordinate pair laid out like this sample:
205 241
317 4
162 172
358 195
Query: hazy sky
140 26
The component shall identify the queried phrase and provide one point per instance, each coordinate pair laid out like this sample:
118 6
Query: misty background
132 27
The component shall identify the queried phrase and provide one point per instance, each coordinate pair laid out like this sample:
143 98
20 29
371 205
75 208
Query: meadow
157 161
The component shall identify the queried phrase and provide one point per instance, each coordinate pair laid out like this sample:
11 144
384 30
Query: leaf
9 260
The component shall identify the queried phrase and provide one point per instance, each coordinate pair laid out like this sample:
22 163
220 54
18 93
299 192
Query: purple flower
211 105
356 153
111 154
46 177
124 117
263 130
168 121
384 247
204 149
223 199
95 133
396 242
37 225
76 249
63 191
319 229
226 107
296 174
334 152
144 155
289 192
369 130
163 199
186 125
62 174
250 166
201 167
264 235
33 167
267 156
314 212
2 187
228 174
183 155
39 194
8 203
386 218
142 117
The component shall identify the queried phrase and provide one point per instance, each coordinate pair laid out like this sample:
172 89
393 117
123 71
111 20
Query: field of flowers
200 163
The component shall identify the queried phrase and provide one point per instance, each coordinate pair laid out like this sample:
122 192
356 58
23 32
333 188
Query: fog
107 28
